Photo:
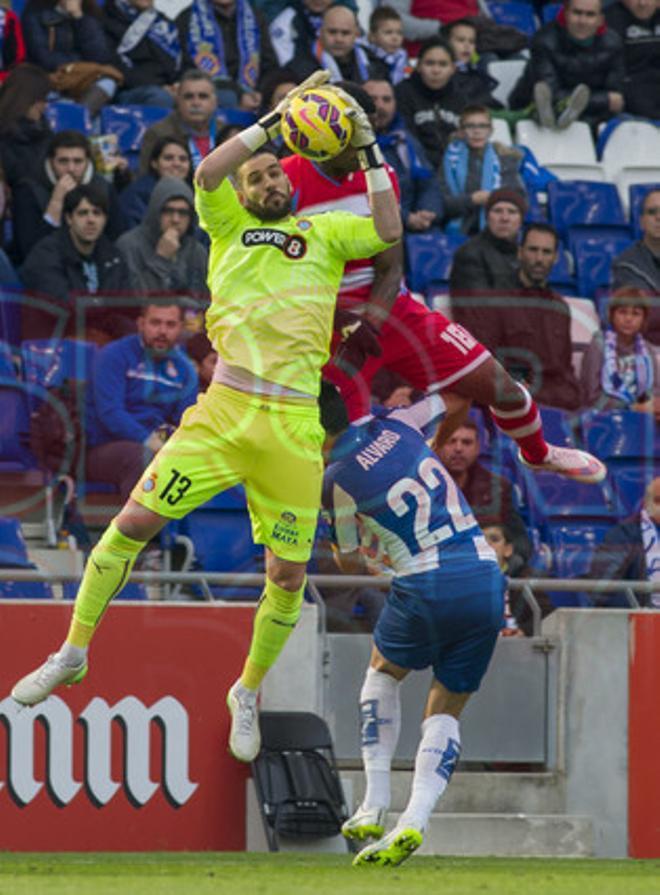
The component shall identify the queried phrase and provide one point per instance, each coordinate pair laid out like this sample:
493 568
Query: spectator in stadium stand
24 131
163 253
474 82
620 369
490 495
576 69
295 28
141 386
204 356
77 259
472 167
630 551
421 203
639 265
230 40
170 157
149 48
337 50
429 100
192 120
637 22
385 41
38 199
423 18
58 32
489 260
518 617
529 329
12 45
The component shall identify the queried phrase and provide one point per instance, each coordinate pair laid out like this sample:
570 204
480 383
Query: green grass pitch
289 874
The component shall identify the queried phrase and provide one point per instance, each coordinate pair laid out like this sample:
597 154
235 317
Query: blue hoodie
133 391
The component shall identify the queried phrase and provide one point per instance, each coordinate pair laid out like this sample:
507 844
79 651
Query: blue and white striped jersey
383 474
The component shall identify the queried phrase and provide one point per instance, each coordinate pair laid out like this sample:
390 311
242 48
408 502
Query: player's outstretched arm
233 152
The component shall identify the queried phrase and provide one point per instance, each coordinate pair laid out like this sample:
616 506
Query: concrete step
507 835
477 792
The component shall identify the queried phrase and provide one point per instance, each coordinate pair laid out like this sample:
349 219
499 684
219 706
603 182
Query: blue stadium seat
550 496
516 15
600 232
130 123
429 259
584 203
593 260
621 435
562 275
15 455
48 363
573 545
560 427
636 192
11 299
236 117
221 533
7 369
630 480
550 12
65 115
13 555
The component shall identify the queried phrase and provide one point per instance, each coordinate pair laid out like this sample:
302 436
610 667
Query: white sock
435 761
68 654
380 716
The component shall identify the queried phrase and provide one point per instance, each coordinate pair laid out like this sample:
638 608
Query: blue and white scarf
651 543
151 25
329 62
612 381
208 48
455 165
397 62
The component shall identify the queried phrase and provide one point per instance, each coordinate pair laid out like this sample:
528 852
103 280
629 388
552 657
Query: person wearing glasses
162 253
639 265
472 167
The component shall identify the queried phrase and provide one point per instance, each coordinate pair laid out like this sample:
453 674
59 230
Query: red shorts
421 346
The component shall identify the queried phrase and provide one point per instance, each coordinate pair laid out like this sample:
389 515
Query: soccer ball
316 125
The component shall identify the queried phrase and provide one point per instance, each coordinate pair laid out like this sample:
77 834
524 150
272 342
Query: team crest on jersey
149 484
304 225
293 246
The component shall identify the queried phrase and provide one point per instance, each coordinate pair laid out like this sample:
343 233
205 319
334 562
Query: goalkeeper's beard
270 212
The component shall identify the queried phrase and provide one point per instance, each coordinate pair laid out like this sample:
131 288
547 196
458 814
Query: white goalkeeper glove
363 138
272 121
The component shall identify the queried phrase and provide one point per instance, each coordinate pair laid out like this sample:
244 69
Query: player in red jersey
380 324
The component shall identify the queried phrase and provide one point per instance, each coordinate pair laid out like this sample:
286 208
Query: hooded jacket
430 115
149 271
563 63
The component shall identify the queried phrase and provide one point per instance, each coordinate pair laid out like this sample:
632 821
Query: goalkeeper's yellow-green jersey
274 284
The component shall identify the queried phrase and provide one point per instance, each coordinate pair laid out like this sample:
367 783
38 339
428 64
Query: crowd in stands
97 217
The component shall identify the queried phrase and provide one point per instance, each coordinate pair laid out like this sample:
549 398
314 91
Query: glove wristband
378 180
256 135
370 156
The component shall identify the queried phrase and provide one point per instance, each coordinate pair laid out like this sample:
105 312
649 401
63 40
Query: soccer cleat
244 736
391 850
576 103
41 682
543 103
366 823
571 463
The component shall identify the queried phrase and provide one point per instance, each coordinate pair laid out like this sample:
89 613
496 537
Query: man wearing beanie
490 259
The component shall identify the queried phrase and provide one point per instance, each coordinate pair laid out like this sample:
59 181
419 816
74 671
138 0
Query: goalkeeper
273 279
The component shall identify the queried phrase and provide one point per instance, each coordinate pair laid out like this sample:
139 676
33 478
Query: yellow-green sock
106 572
275 619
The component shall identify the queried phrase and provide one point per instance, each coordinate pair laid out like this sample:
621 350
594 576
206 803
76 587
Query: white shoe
391 850
244 736
571 463
575 105
543 103
41 682
366 823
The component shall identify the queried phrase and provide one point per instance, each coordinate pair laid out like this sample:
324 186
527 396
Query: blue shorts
449 619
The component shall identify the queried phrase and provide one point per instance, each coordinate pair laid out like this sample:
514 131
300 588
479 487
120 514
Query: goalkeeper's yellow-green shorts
272 446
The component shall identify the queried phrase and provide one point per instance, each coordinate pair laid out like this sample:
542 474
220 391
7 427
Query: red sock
525 427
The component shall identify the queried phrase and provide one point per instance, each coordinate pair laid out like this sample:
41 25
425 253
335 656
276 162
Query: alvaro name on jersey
383 475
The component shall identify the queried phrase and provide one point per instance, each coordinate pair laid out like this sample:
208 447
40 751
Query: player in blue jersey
444 608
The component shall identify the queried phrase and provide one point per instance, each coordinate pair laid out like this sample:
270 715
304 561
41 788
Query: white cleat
571 463
366 823
244 736
40 683
391 850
